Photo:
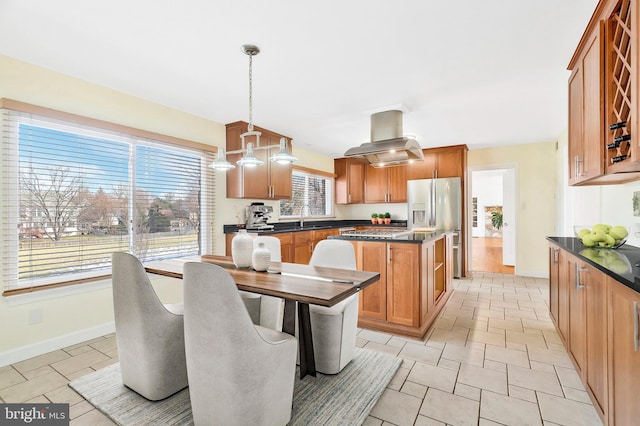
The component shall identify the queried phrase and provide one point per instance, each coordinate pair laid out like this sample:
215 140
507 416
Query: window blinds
312 190
72 194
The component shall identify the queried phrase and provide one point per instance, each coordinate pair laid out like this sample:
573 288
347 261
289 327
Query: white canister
241 249
261 258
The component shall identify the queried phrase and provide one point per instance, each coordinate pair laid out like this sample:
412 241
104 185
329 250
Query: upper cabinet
385 185
445 162
603 105
349 181
269 181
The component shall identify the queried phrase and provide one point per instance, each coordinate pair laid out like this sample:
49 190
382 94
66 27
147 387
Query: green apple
583 232
598 235
601 227
587 241
618 232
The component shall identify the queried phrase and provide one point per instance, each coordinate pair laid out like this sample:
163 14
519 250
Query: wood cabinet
414 284
450 161
577 321
385 184
349 186
558 291
585 113
624 354
602 92
595 289
302 247
269 181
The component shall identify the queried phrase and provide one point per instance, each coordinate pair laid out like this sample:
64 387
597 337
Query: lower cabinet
624 354
414 285
597 319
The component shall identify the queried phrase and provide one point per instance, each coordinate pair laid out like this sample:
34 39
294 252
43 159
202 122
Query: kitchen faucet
302 214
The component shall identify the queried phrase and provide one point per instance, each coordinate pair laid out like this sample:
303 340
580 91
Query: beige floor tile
372 421
104 363
399 342
37 372
516 297
458 313
476 304
84 360
549 356
79 409
577 395
421 353
449 408
486 337
526 339
534 380
10 377
495 366
375 336
490 313
433 377
522 393
520 314
40 361
93 418
507 356
37 386
507 410
567 412
569 378
414 389
426 421
399 378
483 378
541 366
497 330
447 363
485 422
456 335
79 373
464 354
64 394
40 399
467 391
397 408
472 323
538 324
77 349
360 342
105 345
505 324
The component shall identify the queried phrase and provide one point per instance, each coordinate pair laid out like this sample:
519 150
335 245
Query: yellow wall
535 199
77 314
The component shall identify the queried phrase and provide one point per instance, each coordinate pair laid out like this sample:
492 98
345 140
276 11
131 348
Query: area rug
342 399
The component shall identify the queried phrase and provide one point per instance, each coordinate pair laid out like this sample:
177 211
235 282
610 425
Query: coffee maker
257 216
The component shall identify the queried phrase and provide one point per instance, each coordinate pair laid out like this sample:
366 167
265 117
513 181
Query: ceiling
482 73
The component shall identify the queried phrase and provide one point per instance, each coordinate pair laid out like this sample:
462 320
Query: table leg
305 339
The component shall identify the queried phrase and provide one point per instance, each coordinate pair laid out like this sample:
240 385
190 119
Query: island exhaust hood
388 146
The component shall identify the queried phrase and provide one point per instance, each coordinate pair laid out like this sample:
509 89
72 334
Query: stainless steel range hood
388 146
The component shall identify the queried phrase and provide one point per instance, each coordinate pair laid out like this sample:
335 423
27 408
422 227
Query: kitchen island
416 274
594 296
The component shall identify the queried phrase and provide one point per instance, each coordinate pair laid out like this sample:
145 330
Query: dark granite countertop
621 264
413 237
312 225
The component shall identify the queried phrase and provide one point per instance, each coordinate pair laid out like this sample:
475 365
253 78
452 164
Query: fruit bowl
601 236
611 260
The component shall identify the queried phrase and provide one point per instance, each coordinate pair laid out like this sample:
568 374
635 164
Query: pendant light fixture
249 158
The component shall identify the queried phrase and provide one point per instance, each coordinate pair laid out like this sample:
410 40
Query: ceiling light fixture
249 158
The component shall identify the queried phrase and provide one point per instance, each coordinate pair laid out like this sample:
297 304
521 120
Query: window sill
38 295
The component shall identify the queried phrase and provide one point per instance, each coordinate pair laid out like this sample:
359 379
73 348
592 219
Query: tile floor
492 358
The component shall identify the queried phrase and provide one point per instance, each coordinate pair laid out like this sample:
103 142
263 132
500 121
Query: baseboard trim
29 351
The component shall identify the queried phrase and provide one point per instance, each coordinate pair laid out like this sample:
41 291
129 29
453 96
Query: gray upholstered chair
150 335
239 373
334 329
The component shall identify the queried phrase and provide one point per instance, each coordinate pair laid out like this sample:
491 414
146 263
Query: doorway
493 223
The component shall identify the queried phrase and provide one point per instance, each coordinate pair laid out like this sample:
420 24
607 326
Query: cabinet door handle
388 253
555 255
636 343
578 270
348 198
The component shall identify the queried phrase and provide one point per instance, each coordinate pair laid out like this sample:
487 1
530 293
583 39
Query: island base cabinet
624 355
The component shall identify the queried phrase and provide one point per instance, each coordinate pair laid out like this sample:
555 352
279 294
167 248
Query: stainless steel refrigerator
437 204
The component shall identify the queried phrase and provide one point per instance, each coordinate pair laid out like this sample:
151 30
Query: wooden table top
303 283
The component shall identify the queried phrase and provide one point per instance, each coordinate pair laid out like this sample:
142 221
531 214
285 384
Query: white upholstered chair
239 373
150 335
334 329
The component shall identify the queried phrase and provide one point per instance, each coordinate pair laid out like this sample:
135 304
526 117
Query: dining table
297 284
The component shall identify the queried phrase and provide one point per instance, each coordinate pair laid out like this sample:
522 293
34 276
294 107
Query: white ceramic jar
242 249
261 258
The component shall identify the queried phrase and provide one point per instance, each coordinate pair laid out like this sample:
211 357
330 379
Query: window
310 189
73 194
